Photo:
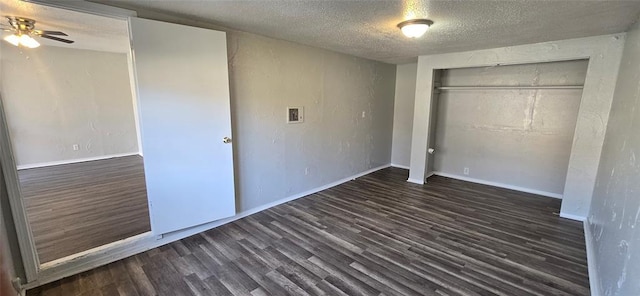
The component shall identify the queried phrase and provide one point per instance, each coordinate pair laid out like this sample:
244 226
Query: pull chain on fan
24 28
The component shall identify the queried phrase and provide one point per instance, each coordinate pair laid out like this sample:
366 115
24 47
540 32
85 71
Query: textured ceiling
88 31
368 28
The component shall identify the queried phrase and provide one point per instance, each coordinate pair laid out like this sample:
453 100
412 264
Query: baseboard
400 166
69 161
501 185
573 217
102 256
303 194
594 284
415 181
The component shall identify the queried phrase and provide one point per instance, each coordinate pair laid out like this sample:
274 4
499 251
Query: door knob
226 140
431 150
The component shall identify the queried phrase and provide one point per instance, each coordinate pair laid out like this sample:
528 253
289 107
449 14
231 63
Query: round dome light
415 28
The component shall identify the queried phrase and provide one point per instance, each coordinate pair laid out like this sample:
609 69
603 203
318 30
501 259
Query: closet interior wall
512 137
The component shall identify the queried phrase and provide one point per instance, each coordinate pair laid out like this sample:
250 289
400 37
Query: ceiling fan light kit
13 39
24 28
415 28
24 40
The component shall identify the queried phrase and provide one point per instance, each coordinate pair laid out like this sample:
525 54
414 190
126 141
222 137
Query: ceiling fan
24 28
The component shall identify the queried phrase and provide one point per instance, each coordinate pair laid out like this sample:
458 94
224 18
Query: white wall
613 230
519 138
604 54
275 160
403 114
57 97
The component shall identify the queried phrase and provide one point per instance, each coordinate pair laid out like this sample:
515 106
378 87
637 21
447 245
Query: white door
183 99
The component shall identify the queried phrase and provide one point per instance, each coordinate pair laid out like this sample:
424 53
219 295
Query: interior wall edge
594 282
614 217
122 251
402 113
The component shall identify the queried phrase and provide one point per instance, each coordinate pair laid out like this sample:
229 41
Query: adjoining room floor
371 236
76 207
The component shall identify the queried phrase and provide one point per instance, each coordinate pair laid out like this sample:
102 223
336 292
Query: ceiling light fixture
24 40
23 29
415 28
13 39
28 41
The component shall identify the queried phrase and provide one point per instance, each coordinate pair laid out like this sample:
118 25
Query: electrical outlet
76 147
306 171
466 171
364 114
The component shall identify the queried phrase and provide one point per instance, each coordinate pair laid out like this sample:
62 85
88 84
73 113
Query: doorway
169 192
72 120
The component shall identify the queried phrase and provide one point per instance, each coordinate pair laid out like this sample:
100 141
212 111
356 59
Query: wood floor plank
376 235
76 207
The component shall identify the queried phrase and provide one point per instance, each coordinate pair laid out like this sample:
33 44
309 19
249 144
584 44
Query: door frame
604 54
34 271
37 274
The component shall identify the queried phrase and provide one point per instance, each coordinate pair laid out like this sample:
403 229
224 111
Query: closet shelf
507 87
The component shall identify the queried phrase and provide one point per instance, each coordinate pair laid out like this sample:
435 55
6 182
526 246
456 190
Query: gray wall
275 160
57 97
614 222
518 138
403 114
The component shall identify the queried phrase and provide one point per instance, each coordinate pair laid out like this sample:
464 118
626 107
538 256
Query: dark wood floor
75 207
377 235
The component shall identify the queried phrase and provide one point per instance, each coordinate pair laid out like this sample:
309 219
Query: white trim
144 242
415 181
26 244
501 185
406 167
429 175
594 283
69 161
88 7
572 217
71 257
134 93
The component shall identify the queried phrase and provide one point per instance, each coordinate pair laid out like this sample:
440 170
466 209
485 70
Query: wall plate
295 114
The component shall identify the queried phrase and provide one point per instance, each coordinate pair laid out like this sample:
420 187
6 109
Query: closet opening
508 126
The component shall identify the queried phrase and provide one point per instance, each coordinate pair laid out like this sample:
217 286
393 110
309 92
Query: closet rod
507 87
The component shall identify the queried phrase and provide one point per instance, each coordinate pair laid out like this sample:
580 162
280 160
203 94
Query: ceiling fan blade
57 39
40 32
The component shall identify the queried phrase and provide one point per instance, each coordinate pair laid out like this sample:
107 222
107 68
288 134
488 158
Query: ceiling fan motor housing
21 24
25 26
